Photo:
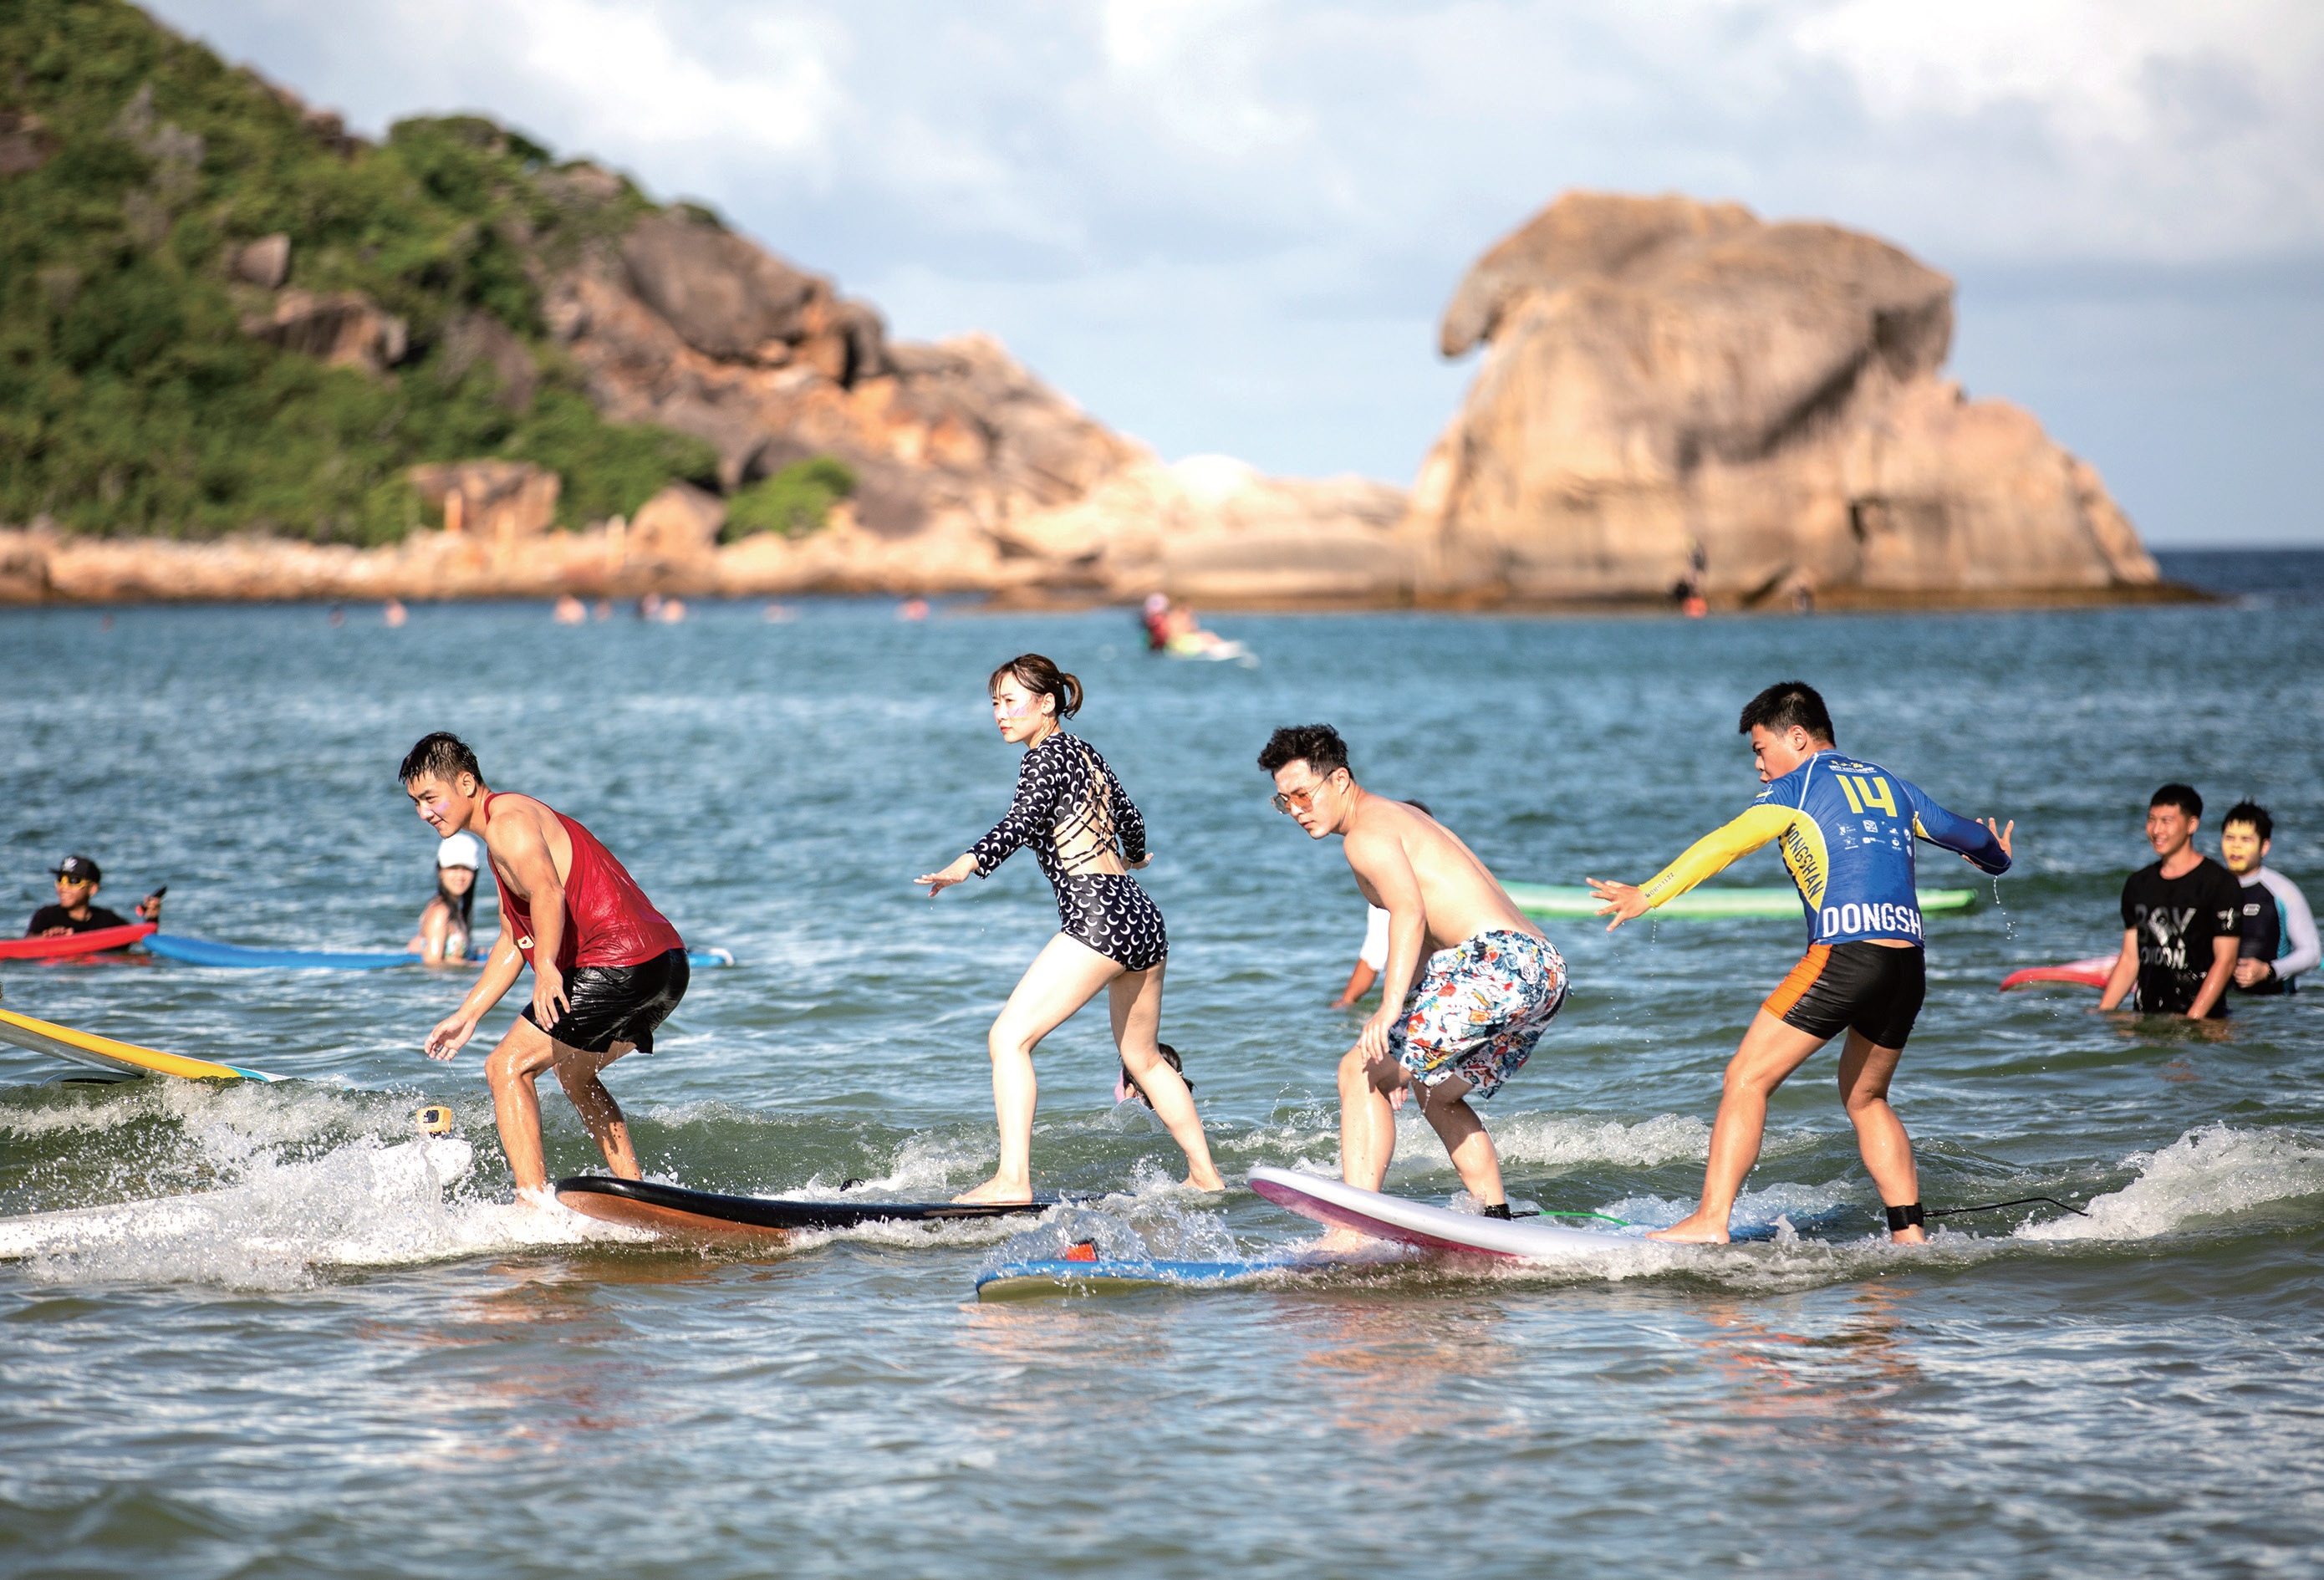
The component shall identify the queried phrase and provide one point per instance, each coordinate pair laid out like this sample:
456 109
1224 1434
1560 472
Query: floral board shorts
1480 1008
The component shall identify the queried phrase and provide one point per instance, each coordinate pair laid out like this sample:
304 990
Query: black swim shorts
605 1004
1854 986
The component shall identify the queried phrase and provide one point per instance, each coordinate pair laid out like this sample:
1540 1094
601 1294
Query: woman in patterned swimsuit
1086 835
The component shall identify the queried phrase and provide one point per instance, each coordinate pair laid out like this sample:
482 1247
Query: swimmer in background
1847 829
1088 838
448 925
77 879
1174 629
1470 984
607 967
1126 1087
2182 919
2278 940
1374 953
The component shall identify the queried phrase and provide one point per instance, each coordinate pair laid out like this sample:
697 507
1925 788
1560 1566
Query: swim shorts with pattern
1480 1008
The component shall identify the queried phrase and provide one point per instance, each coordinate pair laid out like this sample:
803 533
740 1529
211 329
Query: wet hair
1420 807
1318 745
440 756
1170 1057
2253 815
1042 678
463 907
1787 703
2181 796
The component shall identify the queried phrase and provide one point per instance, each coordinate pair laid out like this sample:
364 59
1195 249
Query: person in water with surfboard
2278 939
607 967
1470 983
2182 919
448 921
75 912
1847 828
1088 838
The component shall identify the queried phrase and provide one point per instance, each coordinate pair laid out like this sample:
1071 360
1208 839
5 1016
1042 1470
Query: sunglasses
1283 801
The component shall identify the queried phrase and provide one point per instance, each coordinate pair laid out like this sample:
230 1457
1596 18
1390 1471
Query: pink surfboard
2091 973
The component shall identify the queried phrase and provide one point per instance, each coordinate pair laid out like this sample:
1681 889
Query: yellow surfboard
105 1054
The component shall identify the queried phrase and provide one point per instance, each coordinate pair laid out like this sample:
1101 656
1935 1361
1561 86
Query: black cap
79 868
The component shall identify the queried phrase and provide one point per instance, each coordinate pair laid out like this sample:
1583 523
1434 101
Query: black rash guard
1073 812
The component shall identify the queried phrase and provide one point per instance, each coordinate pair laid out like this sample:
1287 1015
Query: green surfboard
1565 899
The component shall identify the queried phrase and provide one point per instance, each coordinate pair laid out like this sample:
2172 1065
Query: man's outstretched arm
1706 857
1984 845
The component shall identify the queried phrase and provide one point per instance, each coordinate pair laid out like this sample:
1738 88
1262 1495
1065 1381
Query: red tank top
608 919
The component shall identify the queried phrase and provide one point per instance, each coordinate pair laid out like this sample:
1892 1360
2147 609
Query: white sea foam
2208 1172
1546 1140
1534 1139
365 1203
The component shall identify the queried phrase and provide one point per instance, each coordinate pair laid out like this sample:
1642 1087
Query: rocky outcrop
689 325
264 262
500 501
1665 376
679 525
27 143
343 329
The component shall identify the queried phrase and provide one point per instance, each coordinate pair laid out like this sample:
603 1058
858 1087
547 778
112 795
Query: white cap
460 850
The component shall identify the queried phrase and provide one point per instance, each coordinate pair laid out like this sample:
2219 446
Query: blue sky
1229 225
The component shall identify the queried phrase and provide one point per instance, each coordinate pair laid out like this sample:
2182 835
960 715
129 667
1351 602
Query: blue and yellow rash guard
1844 825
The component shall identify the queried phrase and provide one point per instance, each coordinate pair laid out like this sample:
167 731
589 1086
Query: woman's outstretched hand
960 872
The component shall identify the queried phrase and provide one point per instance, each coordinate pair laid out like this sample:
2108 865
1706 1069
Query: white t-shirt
1374 950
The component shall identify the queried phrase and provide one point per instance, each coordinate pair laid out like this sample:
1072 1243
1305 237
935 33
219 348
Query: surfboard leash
1992 1206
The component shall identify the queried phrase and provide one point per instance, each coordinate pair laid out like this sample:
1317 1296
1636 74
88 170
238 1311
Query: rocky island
256 357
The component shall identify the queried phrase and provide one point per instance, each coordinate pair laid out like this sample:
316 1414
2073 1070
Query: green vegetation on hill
131 400
793 502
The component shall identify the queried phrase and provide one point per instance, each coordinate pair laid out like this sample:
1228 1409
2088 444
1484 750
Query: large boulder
680 522
344 328
501 501
730 298
1667 381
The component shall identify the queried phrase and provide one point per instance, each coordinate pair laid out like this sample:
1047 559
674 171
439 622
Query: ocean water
280 1336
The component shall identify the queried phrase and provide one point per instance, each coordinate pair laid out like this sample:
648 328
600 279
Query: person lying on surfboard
1087 836
607 967
1847 829
1470 984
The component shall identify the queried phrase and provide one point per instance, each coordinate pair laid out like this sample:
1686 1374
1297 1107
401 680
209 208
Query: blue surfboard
202 952
235 957
1021 1280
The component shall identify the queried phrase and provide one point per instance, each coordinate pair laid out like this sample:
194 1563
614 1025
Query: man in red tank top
607 968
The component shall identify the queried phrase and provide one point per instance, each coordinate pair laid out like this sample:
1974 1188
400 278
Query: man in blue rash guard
1847 828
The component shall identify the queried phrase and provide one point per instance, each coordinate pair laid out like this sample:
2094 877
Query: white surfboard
1431 1228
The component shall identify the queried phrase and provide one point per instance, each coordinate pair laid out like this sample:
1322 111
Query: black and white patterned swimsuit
1073 812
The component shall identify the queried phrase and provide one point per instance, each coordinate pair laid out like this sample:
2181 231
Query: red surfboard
89 943
2091 973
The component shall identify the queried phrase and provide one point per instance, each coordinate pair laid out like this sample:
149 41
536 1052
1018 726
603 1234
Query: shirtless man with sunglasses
1469 985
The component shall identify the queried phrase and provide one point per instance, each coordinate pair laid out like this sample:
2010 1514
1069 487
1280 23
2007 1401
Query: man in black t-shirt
76 880
2181 919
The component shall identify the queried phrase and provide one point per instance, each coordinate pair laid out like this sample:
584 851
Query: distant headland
249 355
